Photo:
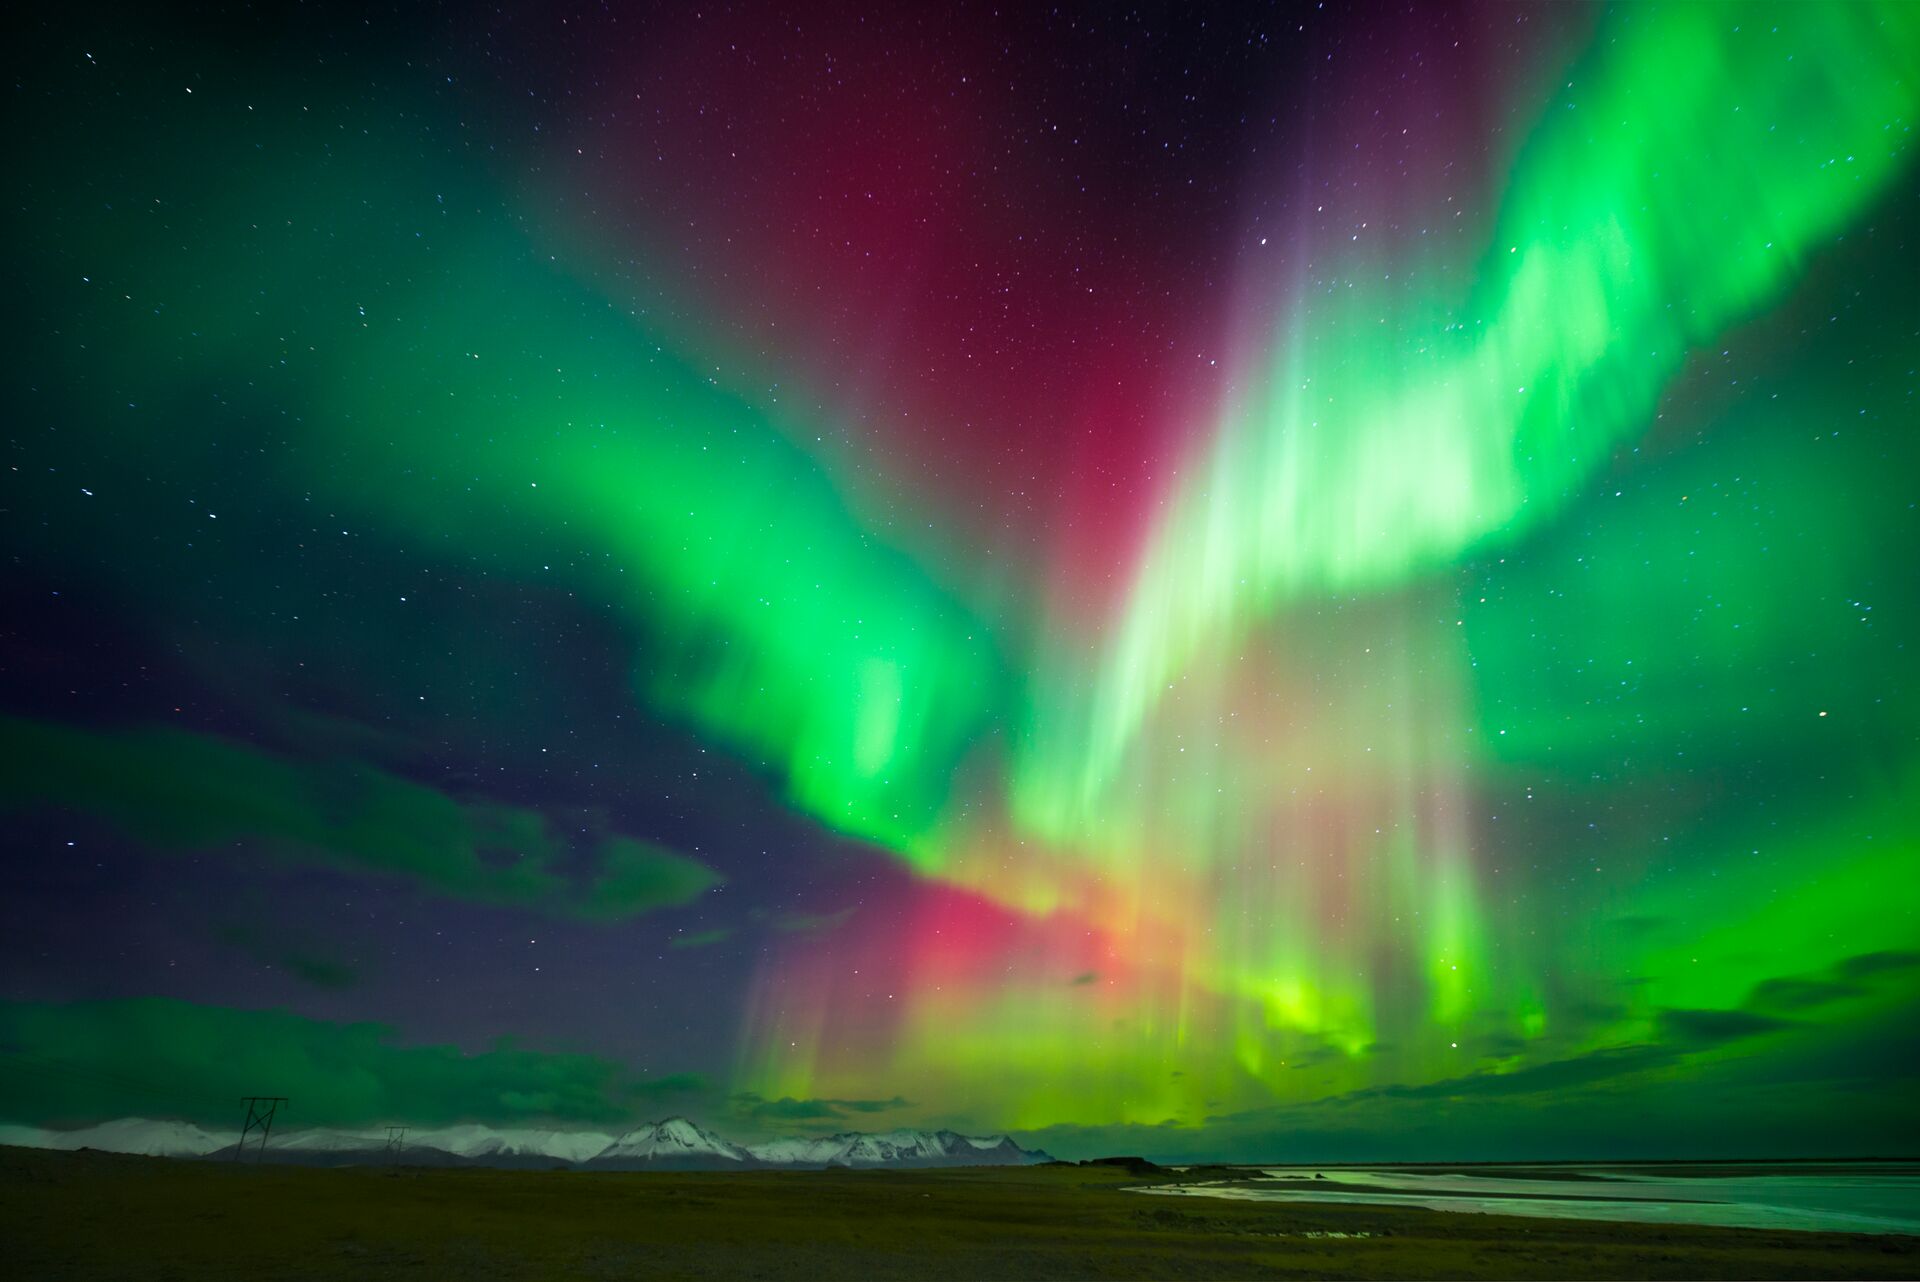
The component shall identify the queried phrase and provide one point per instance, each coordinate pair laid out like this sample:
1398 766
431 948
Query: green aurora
1504 740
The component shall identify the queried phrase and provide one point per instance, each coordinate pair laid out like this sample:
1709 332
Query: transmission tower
396 1140
260 1111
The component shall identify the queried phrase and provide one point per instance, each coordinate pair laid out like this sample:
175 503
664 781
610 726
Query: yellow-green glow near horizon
1509 685
1258 787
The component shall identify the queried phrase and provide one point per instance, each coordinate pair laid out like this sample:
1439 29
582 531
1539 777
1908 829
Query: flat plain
96 1215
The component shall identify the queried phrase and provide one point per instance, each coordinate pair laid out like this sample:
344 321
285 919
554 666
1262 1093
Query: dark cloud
1865 965
788 1109
1593 1013
1705 1028
68 1064
1558 1075
320 972
176 791
1313 1055
1799 994
303 960
636 877
1682 1033
1497 1046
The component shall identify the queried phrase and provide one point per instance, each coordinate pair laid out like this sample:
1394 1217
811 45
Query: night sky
1298 581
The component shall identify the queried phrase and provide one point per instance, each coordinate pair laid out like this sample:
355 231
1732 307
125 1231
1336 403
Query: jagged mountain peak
673 1139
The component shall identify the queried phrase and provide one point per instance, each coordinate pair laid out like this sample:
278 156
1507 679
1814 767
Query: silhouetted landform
1132 1165
94 1215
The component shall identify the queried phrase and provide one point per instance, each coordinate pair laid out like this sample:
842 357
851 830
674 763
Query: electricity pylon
258 1118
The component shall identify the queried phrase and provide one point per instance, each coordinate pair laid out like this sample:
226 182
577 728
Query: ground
93 1215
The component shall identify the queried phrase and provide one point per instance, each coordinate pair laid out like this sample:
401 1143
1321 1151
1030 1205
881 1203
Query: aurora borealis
1317 582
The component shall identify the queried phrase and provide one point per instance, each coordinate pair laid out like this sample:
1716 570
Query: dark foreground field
89 1215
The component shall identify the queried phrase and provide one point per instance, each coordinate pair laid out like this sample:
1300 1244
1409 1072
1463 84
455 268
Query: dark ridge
1132 1165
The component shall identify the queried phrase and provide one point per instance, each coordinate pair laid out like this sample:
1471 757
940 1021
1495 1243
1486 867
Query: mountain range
673 1144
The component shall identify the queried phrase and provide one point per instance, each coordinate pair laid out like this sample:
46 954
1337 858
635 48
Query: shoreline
96 1215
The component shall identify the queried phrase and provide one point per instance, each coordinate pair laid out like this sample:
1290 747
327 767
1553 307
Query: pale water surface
1881 1197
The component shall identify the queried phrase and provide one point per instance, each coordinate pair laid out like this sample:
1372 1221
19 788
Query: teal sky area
1329 584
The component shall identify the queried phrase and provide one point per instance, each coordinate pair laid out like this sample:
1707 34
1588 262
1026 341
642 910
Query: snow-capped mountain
325 1146
497 1147
674 1143
470 1144
140 1135
897 1148
321 1139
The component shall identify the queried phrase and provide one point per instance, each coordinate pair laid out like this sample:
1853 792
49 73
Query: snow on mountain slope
319 1139
140 1135
802 1151
897 1148
674 1142
325 1146
470 1142
482 1143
